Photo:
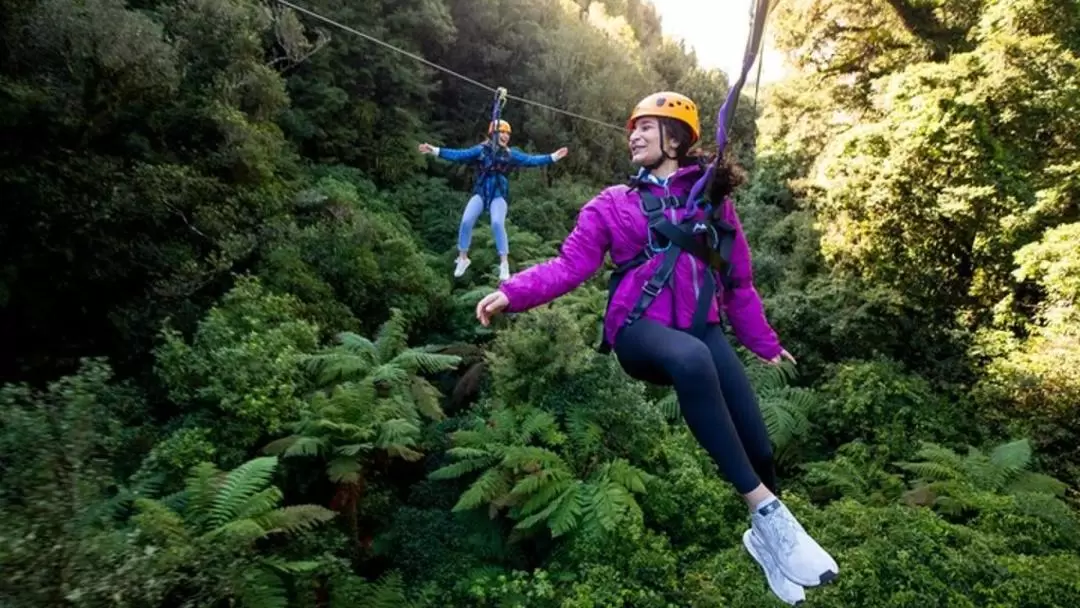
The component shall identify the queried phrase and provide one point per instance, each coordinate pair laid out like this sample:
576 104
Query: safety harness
709 239
494 159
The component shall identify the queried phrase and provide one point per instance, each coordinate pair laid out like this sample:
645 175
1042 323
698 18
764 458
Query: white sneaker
459 269
788 591
504 271
798 556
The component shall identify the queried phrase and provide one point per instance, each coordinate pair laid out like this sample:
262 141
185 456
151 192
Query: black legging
715 396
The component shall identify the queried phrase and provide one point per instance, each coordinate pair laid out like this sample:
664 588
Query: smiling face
504 138
644 142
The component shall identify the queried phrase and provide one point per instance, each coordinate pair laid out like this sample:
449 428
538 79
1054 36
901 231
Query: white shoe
459 269
788 591
504 271
798 556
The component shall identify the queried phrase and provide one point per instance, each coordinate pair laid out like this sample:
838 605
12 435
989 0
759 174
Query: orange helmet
504 127
668 104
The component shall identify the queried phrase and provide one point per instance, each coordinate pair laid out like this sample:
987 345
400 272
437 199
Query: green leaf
343 470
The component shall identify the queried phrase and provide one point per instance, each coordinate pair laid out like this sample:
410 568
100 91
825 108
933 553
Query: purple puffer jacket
614 223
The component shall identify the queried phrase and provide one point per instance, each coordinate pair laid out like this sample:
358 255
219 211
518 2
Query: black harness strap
709 240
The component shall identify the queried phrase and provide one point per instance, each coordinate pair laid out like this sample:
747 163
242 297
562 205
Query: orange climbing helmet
504 127
668 104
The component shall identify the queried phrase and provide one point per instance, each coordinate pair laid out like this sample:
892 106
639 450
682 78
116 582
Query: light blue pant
498 223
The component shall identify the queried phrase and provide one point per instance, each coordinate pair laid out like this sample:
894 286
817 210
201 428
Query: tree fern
260 588
355 592
391 337
238 486
535 484
970 482
219 517
293 519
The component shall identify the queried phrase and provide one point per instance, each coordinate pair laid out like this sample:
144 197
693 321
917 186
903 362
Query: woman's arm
522 159
743 305
456 155
581 255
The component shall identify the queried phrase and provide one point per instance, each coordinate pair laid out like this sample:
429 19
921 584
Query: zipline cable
727 110
444 69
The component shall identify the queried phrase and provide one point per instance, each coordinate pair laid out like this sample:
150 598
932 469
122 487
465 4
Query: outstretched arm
581 255
536 160
743 305
456 155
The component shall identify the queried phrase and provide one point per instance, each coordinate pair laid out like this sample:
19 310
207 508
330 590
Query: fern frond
334 367
295 445
343 470
625 474
260 588
358 346
610 501
785 415
387 592
285 566
461 468
1012 457
397 432
416 361
403 452
426 397
200 491
353 449
770 377
532 483
537 424
261 502
530 458
389 374
537 518
487 487
469 438
238 486
545 494
933 452
1037 483
391 338
295 518
585 434
353 400
159 522
236 533
930 470
669 407
568 510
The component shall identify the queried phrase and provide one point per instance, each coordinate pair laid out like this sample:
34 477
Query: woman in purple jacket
657 338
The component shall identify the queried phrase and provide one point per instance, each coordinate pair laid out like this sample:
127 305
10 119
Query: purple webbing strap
493 141
727 110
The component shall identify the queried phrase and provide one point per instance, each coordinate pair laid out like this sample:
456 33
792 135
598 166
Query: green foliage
879 403
371 398
520 472
213 525
239 375
998 492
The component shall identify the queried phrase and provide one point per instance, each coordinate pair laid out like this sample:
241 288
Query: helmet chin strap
663 153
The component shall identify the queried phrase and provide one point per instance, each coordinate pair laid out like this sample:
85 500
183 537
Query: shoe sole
824 578
757 558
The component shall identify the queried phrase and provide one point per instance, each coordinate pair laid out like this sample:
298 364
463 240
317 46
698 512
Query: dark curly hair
726 177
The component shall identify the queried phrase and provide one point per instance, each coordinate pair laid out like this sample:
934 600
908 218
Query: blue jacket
491 181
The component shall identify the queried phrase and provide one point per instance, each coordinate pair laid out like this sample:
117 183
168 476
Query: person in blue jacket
491 188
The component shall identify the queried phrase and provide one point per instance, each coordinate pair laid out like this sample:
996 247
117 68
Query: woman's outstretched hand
778 358
560 153
491 305
425 148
